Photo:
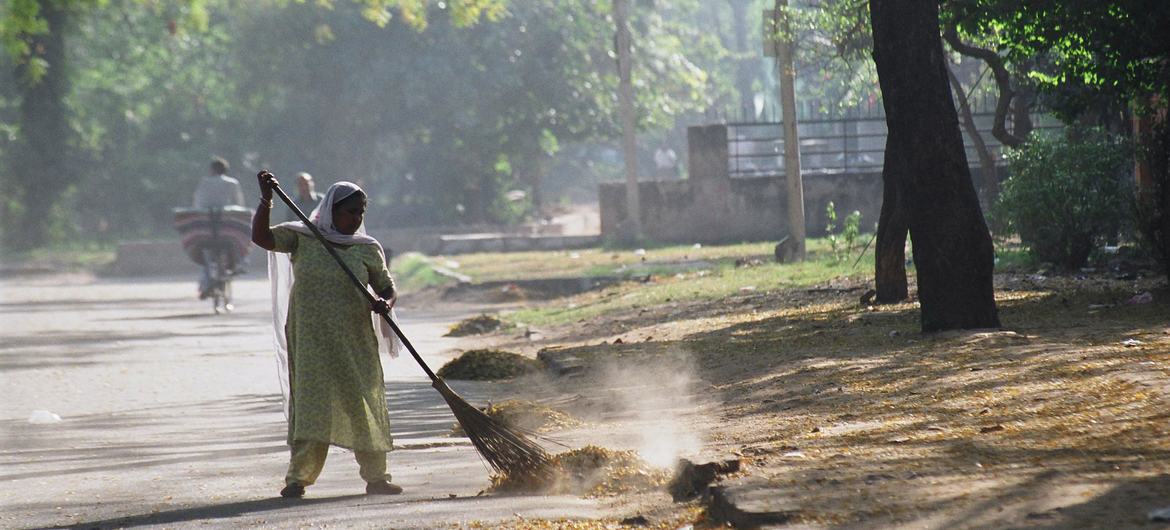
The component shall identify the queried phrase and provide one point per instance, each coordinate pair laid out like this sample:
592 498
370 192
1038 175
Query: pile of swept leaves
589 471
476 325
526 416
488 365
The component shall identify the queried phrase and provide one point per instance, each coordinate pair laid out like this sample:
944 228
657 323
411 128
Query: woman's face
348 214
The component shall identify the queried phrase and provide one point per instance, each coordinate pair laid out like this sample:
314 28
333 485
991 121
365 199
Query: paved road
171 418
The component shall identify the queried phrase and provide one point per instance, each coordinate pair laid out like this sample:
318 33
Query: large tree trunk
926 161
39 167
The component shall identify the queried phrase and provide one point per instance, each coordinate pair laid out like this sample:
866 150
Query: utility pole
633 224
782 40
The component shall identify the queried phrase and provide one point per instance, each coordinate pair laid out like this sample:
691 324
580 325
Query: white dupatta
280 276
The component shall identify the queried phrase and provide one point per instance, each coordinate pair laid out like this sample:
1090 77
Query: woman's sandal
382 488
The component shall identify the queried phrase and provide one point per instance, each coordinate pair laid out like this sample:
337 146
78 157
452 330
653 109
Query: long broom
506 449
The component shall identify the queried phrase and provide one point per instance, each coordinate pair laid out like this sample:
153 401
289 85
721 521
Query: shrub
1066 195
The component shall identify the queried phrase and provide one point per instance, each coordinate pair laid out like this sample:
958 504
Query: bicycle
217 239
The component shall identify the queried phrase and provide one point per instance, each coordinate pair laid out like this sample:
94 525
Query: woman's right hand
267 181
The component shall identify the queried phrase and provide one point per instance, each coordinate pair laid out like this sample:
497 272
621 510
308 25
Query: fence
845 142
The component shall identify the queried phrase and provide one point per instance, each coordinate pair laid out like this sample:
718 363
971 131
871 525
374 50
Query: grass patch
597 262
593 262
722 280
414 272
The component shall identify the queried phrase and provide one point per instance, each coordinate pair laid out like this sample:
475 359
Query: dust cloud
656 403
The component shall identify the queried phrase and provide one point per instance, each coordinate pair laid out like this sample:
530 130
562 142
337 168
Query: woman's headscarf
322 217
280 274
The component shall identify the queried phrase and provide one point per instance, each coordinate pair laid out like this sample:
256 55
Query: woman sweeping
335 393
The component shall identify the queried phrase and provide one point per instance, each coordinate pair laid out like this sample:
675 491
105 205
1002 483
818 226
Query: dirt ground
1058 420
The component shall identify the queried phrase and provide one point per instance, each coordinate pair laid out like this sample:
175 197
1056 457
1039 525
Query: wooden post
782 40
633 223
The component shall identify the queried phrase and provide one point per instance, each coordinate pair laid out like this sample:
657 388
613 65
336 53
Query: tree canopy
440 108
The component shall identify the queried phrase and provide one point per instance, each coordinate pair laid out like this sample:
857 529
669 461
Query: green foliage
842 244
851 230
416 100
1080 52
831 216
1066 196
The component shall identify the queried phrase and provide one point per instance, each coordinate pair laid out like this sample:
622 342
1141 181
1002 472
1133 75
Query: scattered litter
747 288
640 252
894 333
1161 515
575 255
793 454
1143 298
1129 343
43 417
697 245
451 264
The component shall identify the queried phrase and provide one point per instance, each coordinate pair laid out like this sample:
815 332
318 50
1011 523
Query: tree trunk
747 64
926 162
990 178
787 79
633 221
890 254
39 167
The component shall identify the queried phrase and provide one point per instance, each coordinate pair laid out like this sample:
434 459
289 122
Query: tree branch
1002 80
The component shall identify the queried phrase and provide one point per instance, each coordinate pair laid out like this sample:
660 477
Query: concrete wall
748 209
711 207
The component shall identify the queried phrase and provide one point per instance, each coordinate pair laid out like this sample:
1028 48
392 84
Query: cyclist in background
215 191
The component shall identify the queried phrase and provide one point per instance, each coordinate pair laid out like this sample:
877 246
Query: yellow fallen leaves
527 416
591 471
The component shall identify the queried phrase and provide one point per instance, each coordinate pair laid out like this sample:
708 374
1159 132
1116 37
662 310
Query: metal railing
851 142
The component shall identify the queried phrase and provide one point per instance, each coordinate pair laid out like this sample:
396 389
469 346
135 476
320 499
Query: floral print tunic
335 374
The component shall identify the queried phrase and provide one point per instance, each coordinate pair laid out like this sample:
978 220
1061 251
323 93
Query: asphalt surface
171 417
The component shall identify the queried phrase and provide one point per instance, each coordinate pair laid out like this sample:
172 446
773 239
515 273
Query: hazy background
439 117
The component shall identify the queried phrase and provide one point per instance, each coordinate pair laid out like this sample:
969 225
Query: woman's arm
261 231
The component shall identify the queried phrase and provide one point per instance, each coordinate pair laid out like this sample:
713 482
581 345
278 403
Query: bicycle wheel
219 279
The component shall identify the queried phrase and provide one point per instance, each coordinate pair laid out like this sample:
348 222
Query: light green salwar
308 458
337 394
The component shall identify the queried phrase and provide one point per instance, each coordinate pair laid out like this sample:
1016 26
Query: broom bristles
506 449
